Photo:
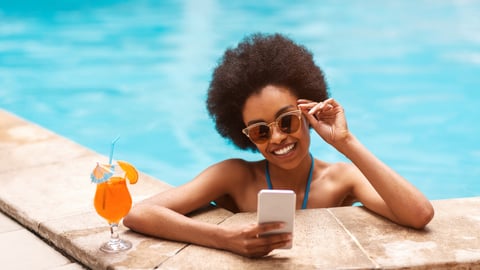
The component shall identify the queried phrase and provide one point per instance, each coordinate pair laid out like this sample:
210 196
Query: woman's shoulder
238 162
239 181
239 166
341 167
337 171
335 184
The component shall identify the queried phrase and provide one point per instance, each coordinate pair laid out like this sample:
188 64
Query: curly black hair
259 60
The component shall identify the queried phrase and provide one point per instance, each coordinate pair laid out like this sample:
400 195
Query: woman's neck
294 178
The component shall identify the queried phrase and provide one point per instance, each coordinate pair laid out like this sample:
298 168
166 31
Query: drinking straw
111 149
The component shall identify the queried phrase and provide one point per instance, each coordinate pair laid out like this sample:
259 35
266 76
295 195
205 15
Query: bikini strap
267 175
307 189
309 180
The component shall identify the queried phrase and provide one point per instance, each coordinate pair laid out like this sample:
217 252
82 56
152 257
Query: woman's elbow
423 216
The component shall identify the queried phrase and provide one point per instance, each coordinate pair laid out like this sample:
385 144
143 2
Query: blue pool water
407 72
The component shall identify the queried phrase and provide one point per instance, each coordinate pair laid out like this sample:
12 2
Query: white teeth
284 150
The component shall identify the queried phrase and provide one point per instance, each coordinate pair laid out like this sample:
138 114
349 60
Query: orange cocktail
112 199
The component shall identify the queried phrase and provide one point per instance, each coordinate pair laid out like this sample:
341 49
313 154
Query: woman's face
282 149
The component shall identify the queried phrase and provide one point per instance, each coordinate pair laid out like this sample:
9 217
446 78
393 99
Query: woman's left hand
327 119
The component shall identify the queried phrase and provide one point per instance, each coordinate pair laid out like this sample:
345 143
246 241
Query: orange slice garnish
130 171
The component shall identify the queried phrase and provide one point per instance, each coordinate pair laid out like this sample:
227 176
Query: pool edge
46 189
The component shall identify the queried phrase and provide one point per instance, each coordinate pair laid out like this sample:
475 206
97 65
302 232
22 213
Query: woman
265 95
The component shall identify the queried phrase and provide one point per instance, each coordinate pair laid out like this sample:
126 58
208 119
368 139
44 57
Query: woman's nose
277 135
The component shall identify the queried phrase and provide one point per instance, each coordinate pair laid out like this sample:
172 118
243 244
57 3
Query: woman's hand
248 240
327 119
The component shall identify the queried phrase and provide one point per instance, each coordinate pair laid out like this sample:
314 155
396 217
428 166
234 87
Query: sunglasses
287 123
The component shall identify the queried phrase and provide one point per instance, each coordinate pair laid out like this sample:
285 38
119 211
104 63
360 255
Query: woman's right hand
249 240
327 118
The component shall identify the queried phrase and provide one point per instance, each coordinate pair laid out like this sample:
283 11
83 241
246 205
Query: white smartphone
277 205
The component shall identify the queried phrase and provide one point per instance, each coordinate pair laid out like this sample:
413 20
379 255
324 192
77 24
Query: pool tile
43 152
15 132
450 240
22 250
36 194
7 224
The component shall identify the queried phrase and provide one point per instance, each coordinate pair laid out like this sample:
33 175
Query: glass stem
114 232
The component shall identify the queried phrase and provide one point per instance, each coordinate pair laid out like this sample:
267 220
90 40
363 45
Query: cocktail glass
112 201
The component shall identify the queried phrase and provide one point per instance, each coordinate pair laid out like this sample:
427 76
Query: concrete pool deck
45 187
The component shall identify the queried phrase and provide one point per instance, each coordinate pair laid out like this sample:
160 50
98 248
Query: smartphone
277 205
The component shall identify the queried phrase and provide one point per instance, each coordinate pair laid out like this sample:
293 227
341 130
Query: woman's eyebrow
279 112
255 121
284 110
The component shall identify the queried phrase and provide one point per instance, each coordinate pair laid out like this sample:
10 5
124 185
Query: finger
303 101
263 245
325 109
274 241
311 118
316 110
307 111
252 231
332 101
280 244
269 239
329 107
306 107
270 226
255 229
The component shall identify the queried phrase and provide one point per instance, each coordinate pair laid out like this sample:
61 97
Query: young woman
266 95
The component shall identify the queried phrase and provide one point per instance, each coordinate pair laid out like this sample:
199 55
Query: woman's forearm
408 205
162 222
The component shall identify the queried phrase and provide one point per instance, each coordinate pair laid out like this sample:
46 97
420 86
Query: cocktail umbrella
101 173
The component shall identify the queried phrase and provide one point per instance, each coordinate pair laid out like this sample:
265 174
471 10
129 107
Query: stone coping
45 187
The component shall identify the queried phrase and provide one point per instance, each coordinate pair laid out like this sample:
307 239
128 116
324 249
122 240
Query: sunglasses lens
289 123
260 133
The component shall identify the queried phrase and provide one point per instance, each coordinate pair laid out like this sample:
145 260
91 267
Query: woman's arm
399 200
396 198
164 215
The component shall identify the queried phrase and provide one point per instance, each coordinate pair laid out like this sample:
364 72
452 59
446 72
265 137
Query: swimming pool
407 73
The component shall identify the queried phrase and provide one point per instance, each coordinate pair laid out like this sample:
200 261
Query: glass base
116 245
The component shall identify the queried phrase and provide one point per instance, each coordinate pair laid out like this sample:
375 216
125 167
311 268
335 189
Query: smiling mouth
285 150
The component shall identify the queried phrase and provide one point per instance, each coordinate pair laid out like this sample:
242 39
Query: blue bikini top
307 190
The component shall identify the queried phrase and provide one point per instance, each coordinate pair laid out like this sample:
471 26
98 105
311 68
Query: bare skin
234 183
